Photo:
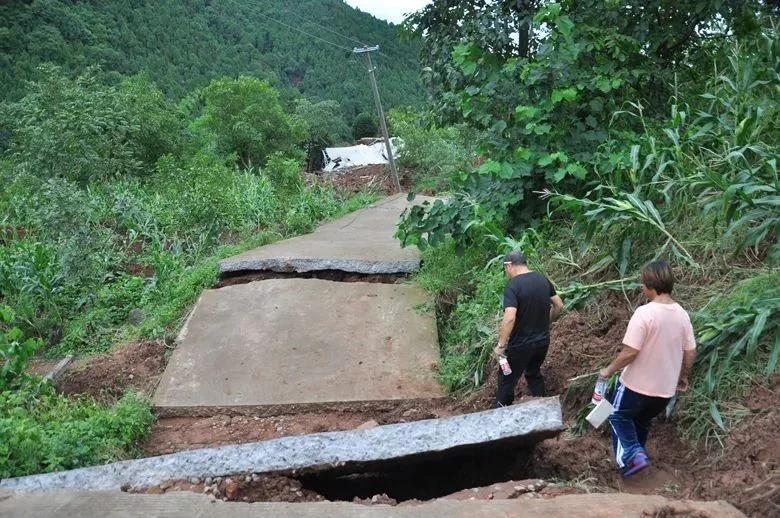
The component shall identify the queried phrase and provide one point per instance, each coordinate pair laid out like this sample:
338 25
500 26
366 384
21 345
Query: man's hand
682 385
499 350
604 373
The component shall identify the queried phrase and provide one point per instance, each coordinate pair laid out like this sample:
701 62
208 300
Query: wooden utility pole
380 112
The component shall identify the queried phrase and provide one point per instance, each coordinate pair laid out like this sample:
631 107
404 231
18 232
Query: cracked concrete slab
361 242
521 425
300 342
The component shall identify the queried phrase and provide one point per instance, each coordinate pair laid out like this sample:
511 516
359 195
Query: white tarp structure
340 158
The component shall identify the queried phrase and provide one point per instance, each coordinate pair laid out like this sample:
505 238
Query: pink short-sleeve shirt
661 332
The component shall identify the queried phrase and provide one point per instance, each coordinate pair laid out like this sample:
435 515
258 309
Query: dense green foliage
433 154
114 201
325 128
246 118
365 125
185 45
43 431
551 110
608 134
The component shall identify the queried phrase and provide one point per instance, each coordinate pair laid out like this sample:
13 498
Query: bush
435 155
15 351
43 431
365 125
81 130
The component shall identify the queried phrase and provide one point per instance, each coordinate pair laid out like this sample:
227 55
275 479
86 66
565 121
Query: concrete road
190 505
360 242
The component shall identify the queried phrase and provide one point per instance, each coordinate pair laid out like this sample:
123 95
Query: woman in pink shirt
658 353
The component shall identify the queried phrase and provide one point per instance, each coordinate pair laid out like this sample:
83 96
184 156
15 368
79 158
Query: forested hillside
185 44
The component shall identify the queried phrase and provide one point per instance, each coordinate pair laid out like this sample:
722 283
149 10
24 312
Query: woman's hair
658 276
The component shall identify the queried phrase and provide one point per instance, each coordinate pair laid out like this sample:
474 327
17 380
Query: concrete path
190 505
361 242
285 345
253 347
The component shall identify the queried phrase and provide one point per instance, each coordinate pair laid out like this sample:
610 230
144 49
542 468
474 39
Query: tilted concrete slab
361 242
276 343
190 505
520 425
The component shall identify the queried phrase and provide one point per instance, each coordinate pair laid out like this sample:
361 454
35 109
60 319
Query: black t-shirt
530 293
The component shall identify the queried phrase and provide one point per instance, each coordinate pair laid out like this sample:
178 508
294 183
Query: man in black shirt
530 304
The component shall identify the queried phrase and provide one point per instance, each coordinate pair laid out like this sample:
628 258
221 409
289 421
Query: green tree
246 118
546 105
365 125
325 126
83 130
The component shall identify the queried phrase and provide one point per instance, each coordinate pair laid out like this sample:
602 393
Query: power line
292 28
311 22
350 38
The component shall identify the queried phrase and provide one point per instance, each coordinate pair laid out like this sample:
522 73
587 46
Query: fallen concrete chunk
189 505
361 242
520 425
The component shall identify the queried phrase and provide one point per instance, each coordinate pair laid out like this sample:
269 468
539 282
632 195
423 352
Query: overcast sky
390 10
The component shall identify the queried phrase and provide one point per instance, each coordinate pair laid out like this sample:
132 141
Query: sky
390 10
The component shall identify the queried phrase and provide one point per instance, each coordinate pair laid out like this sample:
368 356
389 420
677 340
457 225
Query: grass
43 431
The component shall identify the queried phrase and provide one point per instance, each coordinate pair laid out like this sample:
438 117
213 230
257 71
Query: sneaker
637 463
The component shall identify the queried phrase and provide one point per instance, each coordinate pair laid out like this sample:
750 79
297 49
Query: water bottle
599 391
505 368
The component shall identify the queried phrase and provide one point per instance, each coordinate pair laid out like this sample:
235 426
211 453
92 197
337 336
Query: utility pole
380 112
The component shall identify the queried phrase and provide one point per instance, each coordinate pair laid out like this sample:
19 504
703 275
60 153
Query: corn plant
730 343
624 212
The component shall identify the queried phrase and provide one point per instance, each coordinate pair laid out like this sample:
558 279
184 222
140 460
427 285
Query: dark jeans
526 359
631 420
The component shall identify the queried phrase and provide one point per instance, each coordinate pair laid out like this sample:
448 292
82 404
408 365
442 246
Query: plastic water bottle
505 368
599 391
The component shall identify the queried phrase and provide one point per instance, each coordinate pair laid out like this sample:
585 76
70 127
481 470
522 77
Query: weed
43 431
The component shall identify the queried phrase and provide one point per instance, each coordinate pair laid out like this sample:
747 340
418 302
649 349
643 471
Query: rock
194 481
136 317
165 485
248 478
231 489
255 478
208 481
207 489
368 425
375 499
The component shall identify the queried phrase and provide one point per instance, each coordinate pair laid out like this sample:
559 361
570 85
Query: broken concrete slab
361 242
521 425
190 505
301 342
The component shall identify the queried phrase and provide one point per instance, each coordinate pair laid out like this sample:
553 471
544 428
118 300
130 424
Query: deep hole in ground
432 478
246 276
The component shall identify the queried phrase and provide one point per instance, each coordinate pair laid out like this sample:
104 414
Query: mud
137 366
371 178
